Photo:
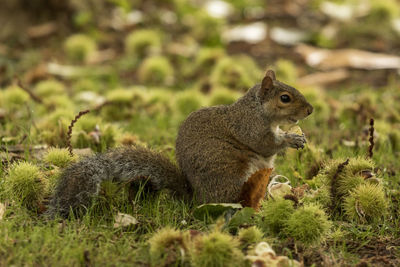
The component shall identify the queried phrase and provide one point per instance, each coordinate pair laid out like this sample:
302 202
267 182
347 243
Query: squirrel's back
214 161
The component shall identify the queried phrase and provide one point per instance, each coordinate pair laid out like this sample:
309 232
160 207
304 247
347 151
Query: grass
194 68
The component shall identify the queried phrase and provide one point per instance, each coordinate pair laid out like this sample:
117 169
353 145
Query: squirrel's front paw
295 140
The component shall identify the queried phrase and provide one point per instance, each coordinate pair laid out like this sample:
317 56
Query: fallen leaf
347 58
123 219
345 12
288 36
2 210
251 33
218 9
279 186
323 78
42 30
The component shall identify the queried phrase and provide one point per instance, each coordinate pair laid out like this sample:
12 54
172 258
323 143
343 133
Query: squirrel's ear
266 85
271 74
267 82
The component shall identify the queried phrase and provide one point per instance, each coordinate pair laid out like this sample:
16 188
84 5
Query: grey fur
81 181
214 148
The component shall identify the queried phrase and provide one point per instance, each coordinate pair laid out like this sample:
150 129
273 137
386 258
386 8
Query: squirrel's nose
310 109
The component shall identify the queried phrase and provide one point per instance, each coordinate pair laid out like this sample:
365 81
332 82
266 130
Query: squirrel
218 149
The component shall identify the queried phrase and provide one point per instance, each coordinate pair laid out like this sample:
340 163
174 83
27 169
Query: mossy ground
128 105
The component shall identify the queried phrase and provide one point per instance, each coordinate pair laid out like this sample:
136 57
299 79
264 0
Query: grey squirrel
217 149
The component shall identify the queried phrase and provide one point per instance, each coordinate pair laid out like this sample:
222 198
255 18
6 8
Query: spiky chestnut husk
366 203
320 196
250 236
13 97
80 47
168 247
156 70
86 84
308 224
349 176
49 88
59 157
207 58
223 96
228 73
121 103
204 27
348 183
142 43
188 101
274 214
25 185
216 249
54 127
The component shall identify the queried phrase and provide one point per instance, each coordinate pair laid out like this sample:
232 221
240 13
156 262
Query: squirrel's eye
285 98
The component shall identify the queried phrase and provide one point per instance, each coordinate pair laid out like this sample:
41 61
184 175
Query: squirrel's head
281 102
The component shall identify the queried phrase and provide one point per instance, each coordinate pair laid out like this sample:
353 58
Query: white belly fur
257 163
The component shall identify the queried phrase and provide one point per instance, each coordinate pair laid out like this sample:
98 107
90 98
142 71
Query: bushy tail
81 181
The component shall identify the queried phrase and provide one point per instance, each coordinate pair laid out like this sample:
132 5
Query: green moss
25 185
366 203
49 88
168 247
274 214
80 47
156 71
308 224
59 157
216 249
142 43
250 236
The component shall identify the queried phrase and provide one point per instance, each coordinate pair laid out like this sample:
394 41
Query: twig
371 138
80 114
30 93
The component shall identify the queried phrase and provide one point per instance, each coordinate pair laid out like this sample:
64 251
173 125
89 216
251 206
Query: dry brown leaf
323 78
42 30
347 58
